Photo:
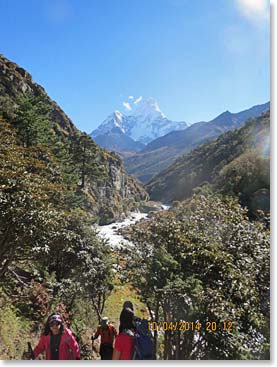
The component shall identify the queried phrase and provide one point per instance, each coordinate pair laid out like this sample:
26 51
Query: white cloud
131 97
127 106
138 100
256 10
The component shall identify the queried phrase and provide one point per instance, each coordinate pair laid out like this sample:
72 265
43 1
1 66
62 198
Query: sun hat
104 321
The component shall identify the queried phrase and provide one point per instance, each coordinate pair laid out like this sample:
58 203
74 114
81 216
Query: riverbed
109 231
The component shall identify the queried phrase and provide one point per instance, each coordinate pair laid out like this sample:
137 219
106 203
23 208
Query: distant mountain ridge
133 131
237 163
115 140
160 153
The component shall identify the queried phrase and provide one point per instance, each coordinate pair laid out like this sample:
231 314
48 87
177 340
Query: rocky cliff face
113 198
106 200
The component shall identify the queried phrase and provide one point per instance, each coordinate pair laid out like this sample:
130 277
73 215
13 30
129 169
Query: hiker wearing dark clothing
124 342
107 332
129 304
143 347
57 341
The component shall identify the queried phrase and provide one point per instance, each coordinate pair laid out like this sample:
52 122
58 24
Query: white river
109 231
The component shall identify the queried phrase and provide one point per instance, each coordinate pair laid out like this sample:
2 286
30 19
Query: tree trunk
96 309
5 267
178 345
72 302
155 331
103 303
83 175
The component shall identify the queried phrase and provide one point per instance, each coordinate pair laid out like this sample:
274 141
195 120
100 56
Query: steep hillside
14 80
98 177
236 163
144 165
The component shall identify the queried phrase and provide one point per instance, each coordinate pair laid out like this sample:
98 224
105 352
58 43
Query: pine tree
85 155
33 120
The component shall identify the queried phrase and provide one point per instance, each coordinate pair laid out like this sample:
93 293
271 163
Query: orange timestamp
184 326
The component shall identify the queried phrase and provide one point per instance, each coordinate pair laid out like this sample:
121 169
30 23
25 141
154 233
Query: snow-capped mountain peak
148 108
150 121
144 122
114 120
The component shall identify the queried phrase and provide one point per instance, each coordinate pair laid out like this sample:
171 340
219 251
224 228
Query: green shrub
14 331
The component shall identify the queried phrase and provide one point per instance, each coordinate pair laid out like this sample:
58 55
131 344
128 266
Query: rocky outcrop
113 198
150 207
15 80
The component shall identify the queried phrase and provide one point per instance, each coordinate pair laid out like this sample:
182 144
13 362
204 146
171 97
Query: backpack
143 344
111 330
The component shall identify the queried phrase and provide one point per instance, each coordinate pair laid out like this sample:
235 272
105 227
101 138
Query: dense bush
14 330
205 261
49 254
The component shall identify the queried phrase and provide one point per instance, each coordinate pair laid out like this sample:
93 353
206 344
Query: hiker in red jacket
57 341
107 332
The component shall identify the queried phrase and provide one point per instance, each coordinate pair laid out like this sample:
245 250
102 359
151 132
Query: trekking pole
30 351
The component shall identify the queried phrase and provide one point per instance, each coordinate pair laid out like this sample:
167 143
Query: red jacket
69 348
107 334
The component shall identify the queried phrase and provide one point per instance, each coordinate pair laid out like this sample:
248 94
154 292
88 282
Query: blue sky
196 58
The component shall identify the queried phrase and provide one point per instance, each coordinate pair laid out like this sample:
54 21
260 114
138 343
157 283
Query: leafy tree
44 236
7 107
81 263
30 185
247 177
206 262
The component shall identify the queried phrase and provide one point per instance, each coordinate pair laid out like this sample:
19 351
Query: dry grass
120 294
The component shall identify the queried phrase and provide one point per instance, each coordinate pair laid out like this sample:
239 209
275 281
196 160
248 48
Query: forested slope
55 182
107 191
237 163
